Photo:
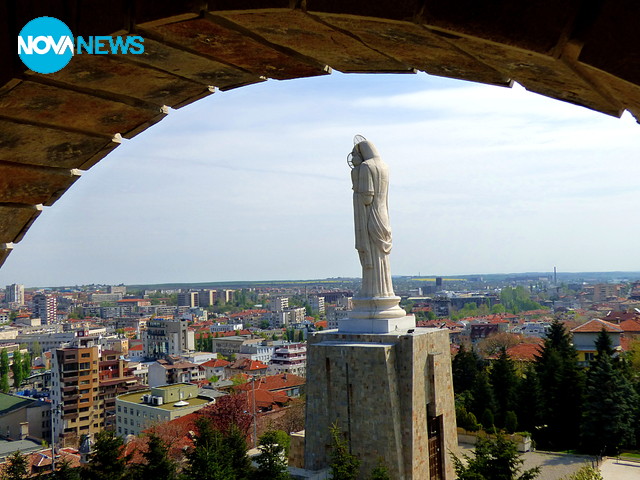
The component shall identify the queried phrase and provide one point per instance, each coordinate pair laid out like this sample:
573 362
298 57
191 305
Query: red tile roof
216 363
525 352
248 365
630 326
273 383
595 326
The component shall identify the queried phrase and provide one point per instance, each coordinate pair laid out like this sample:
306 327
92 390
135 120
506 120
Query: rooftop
136 398
595 326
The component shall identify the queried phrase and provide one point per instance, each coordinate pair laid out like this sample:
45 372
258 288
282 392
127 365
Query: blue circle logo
45 45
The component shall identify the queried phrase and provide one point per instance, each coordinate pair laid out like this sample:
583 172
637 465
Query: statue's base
376 315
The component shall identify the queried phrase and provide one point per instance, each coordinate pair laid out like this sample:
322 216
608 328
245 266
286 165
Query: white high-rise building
14 294
45 307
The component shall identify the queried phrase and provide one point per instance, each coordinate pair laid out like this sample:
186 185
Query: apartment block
75 397
165 336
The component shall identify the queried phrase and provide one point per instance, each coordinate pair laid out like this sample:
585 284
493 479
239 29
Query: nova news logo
46 45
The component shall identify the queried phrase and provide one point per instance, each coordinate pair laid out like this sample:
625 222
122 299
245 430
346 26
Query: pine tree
505 384
603 344
344 465
493 460
609 411
16 468
380 472
272 464
482 396
236 446
208 460
529 401
157 464
107 462
465 366
561 385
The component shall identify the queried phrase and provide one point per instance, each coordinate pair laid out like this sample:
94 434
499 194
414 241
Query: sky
253 184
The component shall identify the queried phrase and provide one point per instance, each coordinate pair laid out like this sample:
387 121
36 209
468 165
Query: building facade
165 336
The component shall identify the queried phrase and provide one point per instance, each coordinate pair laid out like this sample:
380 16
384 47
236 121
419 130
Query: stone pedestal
390 394
376 315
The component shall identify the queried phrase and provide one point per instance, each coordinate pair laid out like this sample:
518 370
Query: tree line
563 406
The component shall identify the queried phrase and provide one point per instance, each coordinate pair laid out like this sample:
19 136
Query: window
126 421
126 432
119 429
85 355
126 410
119 408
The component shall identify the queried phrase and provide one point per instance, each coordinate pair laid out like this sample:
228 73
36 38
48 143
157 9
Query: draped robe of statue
370 178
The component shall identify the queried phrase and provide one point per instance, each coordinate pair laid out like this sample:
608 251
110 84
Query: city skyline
253 184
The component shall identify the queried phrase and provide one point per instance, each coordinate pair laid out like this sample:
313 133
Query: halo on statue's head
356 140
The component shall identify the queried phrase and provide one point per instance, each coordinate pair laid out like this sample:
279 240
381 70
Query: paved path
613 469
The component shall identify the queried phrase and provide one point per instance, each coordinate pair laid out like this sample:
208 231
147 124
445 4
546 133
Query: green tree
16 368
587 472
603 344
493 460
16 467
344 465
4 383
4 362
497 309
300 336
208 459
64 471
609 409
36 349
482 396
236 446
108 460
465 367
505 384
529 401
157 462
271 461
26 365
561 387
380 472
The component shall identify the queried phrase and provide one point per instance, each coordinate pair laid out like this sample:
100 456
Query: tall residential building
165 336
289 358
75 405
14 294
206 298
317 304
288 316
45 307
225 296
278 304
188 299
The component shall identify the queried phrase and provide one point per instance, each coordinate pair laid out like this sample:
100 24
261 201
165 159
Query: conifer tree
493 460
4 362
561 385
482 396
505 385
208 460
465 366
272 464
609 411
108 460
157 464
529 401
344 465
16 467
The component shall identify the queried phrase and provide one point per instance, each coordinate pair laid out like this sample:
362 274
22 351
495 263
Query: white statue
370 178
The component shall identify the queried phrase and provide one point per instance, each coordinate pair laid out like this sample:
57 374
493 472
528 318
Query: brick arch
52 127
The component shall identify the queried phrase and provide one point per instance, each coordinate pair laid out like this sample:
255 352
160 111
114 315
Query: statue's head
363 150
